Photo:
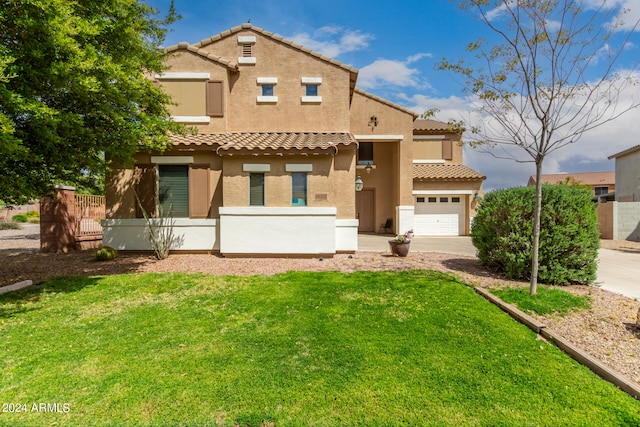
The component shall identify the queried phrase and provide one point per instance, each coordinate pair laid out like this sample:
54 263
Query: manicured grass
546 301
315 349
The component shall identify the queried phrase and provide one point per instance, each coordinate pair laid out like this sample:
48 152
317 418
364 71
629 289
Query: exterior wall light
359 183
368 167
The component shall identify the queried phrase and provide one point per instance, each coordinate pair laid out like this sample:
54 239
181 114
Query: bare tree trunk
533 287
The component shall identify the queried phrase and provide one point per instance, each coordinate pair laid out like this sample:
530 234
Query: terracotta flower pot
399 248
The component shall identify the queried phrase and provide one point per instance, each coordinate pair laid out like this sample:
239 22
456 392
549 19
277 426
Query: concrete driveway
618 270
460 245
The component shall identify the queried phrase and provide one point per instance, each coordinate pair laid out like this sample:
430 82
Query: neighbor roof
445 172
586 178
625 152
268 142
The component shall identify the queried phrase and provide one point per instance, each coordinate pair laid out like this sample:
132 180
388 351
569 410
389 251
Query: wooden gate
89 211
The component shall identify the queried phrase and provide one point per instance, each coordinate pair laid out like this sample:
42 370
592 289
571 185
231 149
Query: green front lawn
316 349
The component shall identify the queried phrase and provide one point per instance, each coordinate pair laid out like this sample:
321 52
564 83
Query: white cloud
630 15
393 72
333 41
589 154
497 12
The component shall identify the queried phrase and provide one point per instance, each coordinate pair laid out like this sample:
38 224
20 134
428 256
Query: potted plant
400 244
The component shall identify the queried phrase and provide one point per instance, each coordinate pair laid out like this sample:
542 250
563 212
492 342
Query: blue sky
396 46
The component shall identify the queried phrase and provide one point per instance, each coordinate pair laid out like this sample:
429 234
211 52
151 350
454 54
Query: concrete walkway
618 270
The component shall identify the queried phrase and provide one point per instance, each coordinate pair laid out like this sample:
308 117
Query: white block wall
626 221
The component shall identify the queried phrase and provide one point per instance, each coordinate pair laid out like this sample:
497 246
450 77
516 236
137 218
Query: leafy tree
549 79
74 90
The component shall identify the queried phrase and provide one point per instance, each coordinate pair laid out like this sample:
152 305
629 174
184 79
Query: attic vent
247 51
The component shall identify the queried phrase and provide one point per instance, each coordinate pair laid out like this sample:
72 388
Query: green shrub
106 253
33 214
19 218
502 232
9 225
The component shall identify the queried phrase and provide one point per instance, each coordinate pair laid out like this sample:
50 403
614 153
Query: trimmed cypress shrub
502 231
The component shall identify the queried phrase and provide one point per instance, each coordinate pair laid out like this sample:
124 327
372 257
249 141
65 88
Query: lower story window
299 189
173 190
256 189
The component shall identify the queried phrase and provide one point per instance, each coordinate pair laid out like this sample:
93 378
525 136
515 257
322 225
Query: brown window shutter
215 99
447 150
199 201
145 187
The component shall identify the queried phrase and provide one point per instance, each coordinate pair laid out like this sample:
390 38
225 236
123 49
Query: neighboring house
601 183
283 135
624 213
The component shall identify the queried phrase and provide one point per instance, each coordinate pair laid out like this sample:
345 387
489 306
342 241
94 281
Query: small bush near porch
326 349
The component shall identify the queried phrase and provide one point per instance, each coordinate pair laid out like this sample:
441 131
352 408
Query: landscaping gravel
606 331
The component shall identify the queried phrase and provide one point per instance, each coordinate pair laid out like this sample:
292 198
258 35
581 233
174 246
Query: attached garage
439 215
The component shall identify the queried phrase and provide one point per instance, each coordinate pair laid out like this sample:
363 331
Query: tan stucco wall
121 202
391 121
628 177
185 61
289 65
120 199
329 184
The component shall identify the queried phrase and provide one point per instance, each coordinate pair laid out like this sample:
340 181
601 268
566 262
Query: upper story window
267 89
247 45
365 153
432 148
600 190
311 90
197 98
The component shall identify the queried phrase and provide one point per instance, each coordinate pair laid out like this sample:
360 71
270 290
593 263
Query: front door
365 204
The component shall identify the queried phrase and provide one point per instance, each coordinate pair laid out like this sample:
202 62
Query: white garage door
439 215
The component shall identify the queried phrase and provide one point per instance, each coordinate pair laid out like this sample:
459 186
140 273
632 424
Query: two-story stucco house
283 138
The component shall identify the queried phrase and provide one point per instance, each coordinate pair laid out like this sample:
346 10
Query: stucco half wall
254 230
284 231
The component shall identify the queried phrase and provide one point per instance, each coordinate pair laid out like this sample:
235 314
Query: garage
439 215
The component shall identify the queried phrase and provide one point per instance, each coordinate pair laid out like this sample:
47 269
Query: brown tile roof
270 142
586 178
431 126
389 103
625 152
226 62
445 172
